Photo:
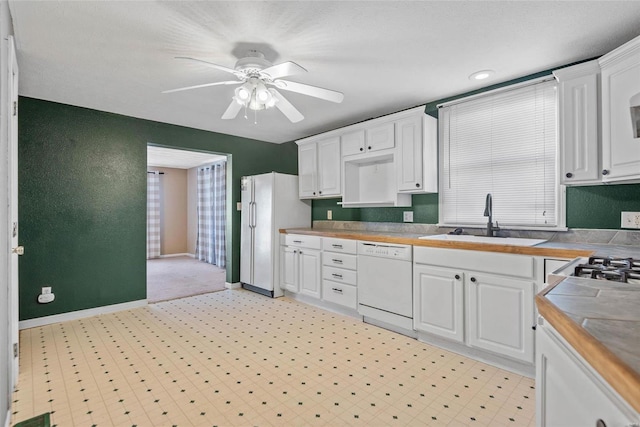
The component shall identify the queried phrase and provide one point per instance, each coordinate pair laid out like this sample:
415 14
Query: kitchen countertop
600 319
557 250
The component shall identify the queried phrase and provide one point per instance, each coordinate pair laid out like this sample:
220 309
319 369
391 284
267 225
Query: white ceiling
385 56
179 159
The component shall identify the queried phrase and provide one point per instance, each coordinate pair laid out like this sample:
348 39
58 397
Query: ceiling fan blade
212 65
287 108
204 85
232 110
281 70
317 92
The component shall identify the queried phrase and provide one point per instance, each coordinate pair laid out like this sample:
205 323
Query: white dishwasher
385 285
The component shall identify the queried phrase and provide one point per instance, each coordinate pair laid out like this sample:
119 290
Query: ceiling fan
260 81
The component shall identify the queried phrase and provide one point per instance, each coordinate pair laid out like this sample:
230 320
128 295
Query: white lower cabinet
300 258
488 307
339 272
500 313
569 393
438 302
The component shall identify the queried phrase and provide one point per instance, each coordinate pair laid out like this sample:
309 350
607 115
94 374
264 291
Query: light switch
238 206
407 216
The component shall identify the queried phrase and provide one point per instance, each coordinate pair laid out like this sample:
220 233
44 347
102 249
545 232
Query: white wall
5 334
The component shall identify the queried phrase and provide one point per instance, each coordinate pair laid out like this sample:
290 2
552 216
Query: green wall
82 200
599 206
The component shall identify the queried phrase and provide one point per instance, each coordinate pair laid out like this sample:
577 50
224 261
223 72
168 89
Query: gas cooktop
626 270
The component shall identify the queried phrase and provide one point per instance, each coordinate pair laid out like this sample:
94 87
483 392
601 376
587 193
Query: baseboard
80 314
176 255
236 285
520 368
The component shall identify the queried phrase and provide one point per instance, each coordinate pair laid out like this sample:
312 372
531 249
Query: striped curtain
212 196
153 215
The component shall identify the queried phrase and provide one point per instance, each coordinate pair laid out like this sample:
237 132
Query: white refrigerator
269 202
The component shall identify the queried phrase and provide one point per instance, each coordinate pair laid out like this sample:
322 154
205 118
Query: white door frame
12 133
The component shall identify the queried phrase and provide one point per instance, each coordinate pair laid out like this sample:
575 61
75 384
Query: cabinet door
329 183
380 137
579 136
352 143
620 86
409 163
309 264
500 315
438 302
289 269
568 393
307 170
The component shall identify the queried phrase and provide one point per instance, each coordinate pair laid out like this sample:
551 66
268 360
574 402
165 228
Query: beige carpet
179 277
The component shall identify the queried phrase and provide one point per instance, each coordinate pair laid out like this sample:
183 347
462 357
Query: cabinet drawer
339 275
339 245
486 262
339 293
339 260
302 241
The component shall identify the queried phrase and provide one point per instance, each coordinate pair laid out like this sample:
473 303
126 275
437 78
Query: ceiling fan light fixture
272 99
262 93
243 93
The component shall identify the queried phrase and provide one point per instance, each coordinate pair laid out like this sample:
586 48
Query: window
502 143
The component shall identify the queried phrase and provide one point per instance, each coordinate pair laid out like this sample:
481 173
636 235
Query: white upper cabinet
353 143
621 113
381 161
380 137
319 168
578 98
417 159
307 170
329 182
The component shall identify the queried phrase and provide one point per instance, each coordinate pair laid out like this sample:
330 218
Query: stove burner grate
610 268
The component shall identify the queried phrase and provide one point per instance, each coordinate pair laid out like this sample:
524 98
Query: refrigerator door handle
254 214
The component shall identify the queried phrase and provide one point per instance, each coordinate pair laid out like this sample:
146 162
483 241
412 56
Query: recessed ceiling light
481 75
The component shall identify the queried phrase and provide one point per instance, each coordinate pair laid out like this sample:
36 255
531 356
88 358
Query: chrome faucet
488 211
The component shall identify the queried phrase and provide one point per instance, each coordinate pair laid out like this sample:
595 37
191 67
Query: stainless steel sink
513 241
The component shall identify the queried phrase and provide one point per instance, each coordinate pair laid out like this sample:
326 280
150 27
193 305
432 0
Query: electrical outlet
329 214
407 216
630 220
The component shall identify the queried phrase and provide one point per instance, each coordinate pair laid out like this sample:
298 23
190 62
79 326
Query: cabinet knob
569 175
605 172
457 277
600 423
473 279
418 184
369 148
361 148
314 193
319 192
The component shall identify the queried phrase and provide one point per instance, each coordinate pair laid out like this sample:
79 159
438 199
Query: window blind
504 144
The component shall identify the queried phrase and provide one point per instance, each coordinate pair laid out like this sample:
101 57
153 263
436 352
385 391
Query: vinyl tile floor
236 358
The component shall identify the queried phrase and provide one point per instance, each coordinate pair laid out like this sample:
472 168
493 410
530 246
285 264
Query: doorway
176 267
